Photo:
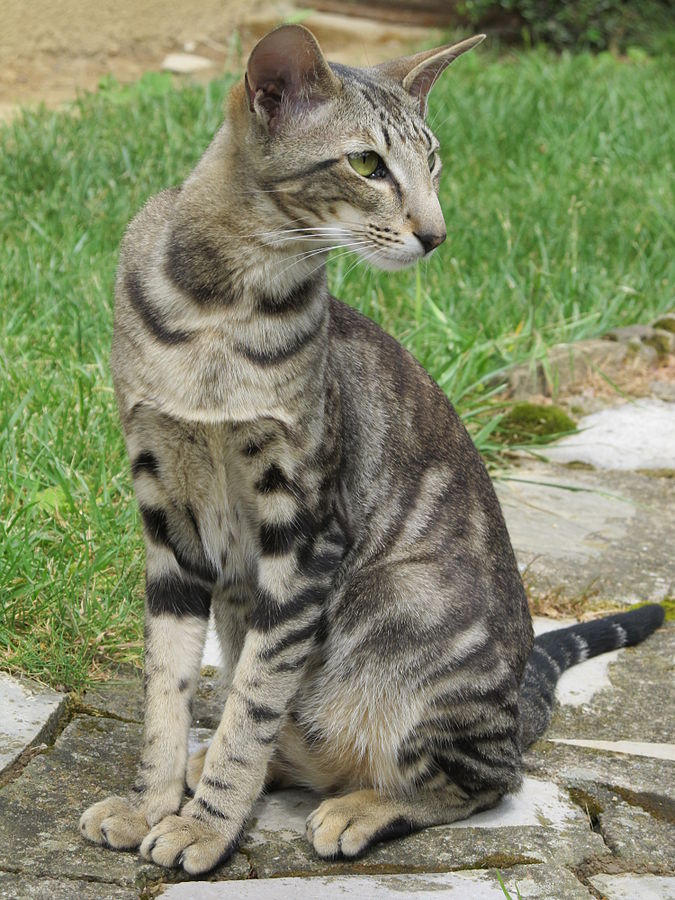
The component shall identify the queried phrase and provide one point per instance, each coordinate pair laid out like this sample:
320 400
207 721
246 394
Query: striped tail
556 651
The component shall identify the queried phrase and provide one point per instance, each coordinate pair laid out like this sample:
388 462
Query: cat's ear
417 74
287 74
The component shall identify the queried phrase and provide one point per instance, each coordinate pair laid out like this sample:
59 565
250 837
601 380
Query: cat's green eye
365 163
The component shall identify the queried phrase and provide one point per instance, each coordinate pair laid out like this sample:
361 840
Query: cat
301 478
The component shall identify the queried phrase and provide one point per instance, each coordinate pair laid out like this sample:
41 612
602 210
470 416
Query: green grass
557 192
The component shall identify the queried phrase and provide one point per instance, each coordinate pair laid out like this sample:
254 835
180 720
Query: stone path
596 814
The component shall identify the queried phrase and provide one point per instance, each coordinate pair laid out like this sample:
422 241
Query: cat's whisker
301 257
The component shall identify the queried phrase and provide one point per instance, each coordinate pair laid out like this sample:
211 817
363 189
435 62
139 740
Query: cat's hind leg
348 826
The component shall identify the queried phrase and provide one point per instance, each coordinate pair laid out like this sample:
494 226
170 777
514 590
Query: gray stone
664 390
39 811
31 714
576 532
543 827
634 887
583 767
541 882
637 435
123 698
643 840
23 887
629 332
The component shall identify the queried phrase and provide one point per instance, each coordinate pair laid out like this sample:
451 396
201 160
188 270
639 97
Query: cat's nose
430 240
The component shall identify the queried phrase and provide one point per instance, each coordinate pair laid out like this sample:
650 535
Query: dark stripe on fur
277 540
303 633
322 564
195 266
273 479
145 462
157 526
398 827
306 173
266 358
261 713
295 301
153 321
216 784
177 596
210 810
291 665
267 613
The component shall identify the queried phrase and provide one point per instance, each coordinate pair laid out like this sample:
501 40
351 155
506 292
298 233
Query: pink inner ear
288 61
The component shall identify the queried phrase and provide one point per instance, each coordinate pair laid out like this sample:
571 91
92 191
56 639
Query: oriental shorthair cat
302 480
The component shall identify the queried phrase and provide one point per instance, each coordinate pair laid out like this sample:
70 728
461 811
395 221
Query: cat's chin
392 263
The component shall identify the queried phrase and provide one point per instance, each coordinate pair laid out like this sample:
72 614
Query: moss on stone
526 421
668 605
587 802
504 861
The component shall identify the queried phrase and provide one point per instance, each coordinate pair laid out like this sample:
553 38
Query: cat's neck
228 245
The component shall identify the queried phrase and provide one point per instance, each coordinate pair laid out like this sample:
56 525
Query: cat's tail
556 651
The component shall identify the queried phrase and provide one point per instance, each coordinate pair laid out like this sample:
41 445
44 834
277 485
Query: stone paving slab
552 830
40 810
634 887
122 698
580 532
571 766
95 756
31 714
23 887
642 839
540 882
637 435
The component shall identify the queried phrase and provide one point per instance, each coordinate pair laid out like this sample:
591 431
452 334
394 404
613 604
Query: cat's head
342 156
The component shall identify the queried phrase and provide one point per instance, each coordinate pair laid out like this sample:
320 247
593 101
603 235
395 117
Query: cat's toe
326 826
184 841
114 823
348 826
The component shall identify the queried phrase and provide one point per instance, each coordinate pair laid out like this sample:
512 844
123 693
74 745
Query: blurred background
50 49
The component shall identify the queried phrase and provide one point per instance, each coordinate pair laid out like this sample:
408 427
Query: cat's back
386 389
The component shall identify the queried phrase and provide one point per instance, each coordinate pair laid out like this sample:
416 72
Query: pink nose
430 241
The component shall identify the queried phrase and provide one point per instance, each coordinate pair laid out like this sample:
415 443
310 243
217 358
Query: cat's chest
210 486
231 367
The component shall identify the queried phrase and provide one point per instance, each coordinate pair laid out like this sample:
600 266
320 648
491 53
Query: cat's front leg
177 609
284 628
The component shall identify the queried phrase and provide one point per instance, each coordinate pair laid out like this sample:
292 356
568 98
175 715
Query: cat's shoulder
348 324
150 221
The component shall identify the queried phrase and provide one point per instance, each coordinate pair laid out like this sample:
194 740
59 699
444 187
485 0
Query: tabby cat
301 478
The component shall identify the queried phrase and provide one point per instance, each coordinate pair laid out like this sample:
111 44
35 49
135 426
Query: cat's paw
347 826
195 767
114 823
188 842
